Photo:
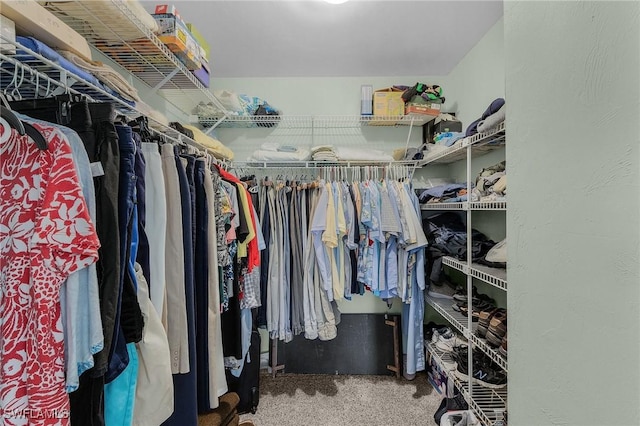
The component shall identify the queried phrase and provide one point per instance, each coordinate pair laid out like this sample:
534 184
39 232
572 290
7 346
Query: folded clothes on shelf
57 58
451 192
341 153
493 108
270 151
324 153
355 154
106 74
214 145
492 121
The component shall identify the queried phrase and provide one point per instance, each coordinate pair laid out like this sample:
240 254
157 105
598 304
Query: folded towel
318 148
273 146
106 74
358 154
214 145
261 155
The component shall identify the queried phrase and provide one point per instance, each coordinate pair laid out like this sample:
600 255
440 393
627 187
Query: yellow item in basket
214 145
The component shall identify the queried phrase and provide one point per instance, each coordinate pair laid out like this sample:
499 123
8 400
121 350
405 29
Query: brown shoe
503 346
497 328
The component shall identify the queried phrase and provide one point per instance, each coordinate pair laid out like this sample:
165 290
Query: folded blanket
358 154
52 55
325 157
214 145
493 107
42 49
319 148
492 121
106 74
276 147
303 154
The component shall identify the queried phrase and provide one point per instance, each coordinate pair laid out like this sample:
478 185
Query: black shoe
443 408
490 378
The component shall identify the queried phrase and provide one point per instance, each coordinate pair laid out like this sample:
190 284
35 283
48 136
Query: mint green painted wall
317 96
573 89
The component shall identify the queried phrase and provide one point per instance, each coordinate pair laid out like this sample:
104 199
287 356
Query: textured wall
573 88
478 78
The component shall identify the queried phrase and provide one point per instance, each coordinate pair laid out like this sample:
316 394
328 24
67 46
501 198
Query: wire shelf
480 143
455 318
455 264
321 164
488 205
458 320
443 206
489 405
29 75
497 277
133 46
314 121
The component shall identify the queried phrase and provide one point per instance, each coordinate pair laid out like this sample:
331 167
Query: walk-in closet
272 213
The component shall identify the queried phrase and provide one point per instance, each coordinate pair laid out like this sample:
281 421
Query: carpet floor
324 400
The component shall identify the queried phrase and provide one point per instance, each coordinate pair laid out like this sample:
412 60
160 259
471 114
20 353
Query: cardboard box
388 102
32 19
203 74
8 32
205 49
447 126
427 109
166 9
175 35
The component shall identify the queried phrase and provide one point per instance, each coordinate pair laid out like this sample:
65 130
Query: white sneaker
445 339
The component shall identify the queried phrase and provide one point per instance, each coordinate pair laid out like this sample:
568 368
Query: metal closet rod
26 74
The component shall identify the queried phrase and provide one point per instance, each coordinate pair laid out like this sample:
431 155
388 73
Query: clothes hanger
22 127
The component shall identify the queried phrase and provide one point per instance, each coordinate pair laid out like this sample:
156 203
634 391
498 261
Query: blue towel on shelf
42 49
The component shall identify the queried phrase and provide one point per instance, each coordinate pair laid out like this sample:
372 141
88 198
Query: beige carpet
323 400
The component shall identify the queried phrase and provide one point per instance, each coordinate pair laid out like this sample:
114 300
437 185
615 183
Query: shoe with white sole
446 340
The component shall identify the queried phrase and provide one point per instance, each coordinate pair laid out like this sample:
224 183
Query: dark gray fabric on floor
323 400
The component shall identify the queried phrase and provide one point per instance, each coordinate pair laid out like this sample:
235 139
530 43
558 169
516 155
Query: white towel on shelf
302 154
359 154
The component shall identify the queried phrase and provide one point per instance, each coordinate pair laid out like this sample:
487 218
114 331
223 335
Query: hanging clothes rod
319 164
41 78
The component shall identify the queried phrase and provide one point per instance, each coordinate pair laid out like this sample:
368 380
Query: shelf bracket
165 80
216 124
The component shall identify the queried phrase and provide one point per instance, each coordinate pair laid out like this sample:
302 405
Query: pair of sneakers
485 372
446 340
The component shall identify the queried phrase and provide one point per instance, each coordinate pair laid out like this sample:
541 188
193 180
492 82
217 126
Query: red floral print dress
45 235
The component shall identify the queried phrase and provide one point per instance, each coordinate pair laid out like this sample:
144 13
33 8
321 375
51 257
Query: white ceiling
359 38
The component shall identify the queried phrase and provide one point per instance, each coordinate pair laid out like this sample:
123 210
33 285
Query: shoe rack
488 404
